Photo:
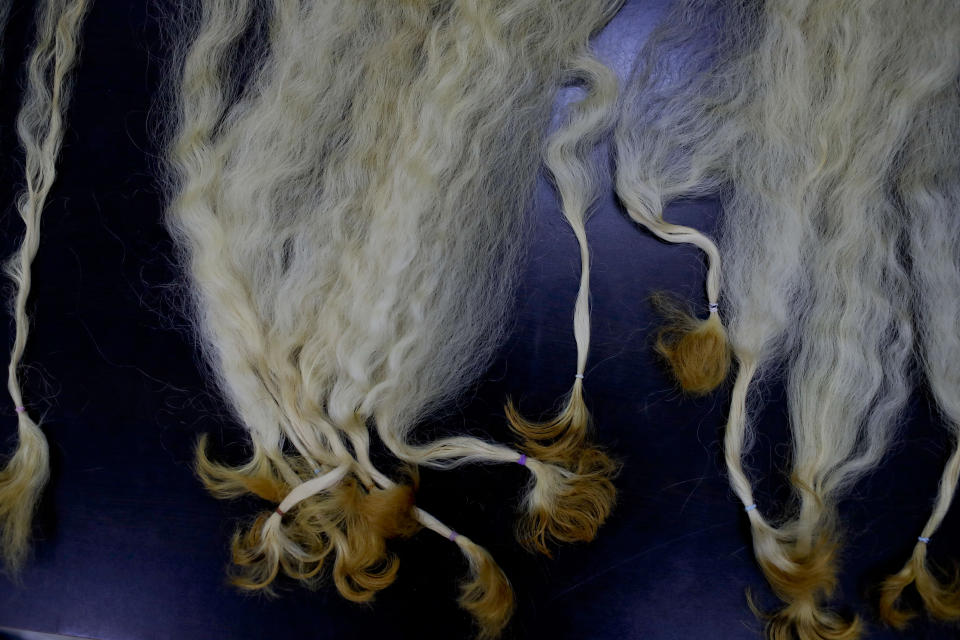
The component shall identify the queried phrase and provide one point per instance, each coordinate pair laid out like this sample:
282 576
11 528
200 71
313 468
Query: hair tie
522 460
453 536
20 409
579 376
280 512
714 307
750 507
923 539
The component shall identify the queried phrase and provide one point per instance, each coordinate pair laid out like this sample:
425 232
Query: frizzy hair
348 198
801 123
868 85
929 189
40 128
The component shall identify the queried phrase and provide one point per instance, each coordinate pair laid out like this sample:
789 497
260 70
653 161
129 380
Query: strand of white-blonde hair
40 127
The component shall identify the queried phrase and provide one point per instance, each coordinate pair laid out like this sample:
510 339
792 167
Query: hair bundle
653 139
929 189
40 128
352 232
806 122
564 439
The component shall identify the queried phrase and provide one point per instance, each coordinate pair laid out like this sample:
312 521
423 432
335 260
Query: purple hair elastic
522 460
453 536
20 409
750 507
714 307
923 539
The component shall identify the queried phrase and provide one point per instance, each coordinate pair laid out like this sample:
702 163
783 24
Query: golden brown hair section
941 598
350 520
574 506
487 594
573 497
807 579
697 352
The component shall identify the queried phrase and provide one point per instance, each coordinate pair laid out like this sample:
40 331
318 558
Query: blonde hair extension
564 438
350 280
929 188
40 127
805 122
653 169
854 325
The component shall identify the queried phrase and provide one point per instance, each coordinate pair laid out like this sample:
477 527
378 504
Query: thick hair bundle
870 85
929 189
349 198
40 127
804 114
